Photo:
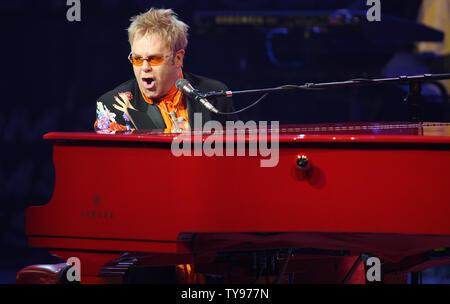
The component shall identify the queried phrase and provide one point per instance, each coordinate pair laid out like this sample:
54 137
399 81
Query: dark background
53 70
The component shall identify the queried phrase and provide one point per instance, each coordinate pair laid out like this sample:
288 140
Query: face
156 81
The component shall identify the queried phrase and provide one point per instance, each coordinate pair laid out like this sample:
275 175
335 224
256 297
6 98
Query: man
151 100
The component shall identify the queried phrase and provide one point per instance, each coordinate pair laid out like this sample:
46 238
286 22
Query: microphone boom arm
329 85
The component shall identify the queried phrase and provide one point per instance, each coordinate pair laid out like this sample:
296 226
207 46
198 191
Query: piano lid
376 132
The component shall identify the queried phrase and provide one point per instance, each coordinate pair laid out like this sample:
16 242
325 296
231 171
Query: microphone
184 86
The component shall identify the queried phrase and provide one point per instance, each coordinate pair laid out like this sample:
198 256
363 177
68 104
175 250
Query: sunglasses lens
156 60
152 60
137 61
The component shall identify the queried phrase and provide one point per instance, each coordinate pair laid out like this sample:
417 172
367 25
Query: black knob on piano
303 162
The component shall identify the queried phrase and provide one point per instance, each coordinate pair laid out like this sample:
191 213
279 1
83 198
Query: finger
124 97
118 107
120 102
121 105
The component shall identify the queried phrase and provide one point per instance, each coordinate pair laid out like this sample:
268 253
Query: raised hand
123 104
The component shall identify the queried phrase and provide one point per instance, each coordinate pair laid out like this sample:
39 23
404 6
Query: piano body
123 201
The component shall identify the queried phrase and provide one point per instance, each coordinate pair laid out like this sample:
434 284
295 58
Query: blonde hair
163 22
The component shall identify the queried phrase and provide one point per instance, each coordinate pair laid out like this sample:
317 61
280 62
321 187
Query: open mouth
148 82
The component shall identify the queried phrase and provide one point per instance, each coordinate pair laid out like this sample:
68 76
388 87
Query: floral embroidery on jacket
127 94
125 116
104 116
123 104
106 120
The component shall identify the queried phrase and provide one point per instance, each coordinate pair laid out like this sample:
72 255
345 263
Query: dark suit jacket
149 116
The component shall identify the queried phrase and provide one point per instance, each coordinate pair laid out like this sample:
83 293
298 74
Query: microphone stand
415 88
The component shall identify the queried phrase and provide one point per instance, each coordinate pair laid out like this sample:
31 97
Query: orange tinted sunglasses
152 60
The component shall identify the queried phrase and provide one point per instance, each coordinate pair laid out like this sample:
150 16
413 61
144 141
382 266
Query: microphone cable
287 87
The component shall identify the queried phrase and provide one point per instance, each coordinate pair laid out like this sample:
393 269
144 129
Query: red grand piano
339 192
